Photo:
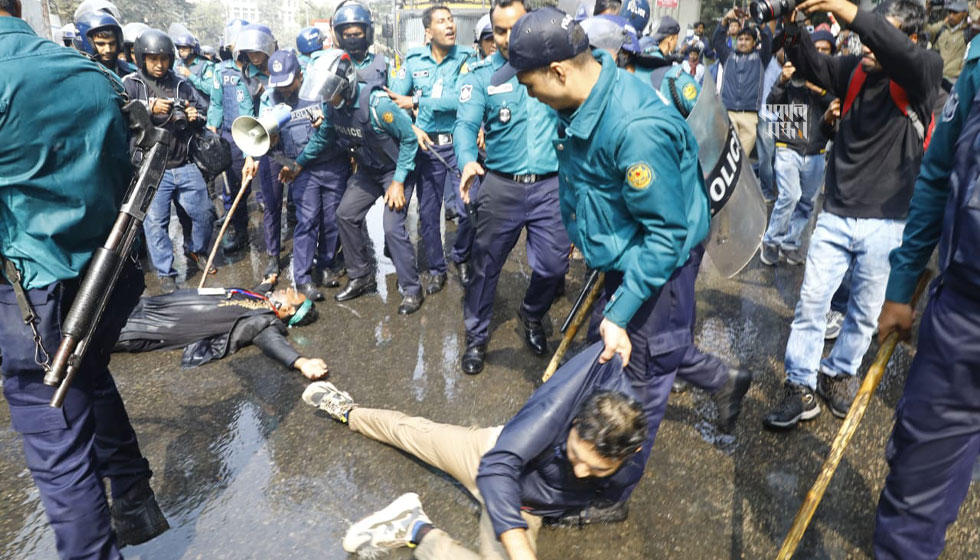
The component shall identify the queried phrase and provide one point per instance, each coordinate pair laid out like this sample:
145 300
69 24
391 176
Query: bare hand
895 317
287 174
422 137
317 121
617 341
470 171
161 106
192 114
313 369
184 71
395 196
844 10
787 75
250 168
833 112
481 140
403 101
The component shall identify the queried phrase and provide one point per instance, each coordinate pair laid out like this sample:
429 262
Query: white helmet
330 73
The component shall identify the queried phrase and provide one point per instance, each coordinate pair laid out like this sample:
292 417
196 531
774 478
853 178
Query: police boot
357 287
436 283
310 291
331 278
534 334
411 303
136 515
728 399
473 358
465 270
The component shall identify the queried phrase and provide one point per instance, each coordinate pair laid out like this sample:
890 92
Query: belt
441 139
525 179
962 287
785 145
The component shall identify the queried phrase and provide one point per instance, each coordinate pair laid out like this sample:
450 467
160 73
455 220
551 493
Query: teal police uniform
933 448
202 75
64 169
434 85
384 146
679 88
374 70
304 60
519 191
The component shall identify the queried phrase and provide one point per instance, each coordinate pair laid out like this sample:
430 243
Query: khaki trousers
455 450
746 125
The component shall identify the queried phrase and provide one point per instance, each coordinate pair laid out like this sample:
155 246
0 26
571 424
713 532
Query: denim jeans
186 184
764 145
799 178
838 242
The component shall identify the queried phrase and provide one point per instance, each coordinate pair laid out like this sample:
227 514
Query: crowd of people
568 128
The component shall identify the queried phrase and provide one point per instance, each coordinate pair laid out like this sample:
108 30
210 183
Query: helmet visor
321 81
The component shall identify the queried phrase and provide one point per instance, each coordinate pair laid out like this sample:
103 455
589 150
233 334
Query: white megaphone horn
253 136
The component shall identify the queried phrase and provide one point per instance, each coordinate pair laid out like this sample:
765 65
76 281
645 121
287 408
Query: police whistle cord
107 261
224 228
580 311
847 430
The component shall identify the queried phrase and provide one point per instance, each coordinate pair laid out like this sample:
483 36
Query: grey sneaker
793 257
386 529
797 403
839 392
328 398
835 322
769 255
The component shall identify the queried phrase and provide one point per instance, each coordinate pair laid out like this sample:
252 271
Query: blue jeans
838 242
764 145
186 184
799 178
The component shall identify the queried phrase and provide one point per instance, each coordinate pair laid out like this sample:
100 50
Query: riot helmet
153 41
353 13
104 6
637 14
96 22
330 74
232 29
68 34
255 38
309 40
483 28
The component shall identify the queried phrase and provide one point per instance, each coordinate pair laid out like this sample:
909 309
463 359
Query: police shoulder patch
639 176
464 69
689 92
401 73
465 93
388 117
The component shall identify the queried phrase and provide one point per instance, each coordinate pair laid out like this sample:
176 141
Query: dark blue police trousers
317 192
70 449
506 207
465 228
363 188
233 176
936 439
432 175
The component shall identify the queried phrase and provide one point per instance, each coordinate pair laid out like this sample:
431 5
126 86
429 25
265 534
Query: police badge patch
690 92
949 109
504 115
388 117
240 96
639 176
465 93
277 66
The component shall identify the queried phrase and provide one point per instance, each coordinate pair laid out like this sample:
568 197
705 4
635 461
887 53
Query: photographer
888 95
174 105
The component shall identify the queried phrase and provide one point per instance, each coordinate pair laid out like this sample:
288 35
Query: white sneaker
835 321
386 529
328 398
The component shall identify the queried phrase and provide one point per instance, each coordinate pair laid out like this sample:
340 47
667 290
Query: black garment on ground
816 104
171 86
877 151
209 325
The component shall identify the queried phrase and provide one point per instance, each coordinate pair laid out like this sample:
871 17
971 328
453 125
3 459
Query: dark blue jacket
529 469
742 73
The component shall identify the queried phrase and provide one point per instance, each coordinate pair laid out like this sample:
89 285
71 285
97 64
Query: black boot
728 399
465 270
534 334
473 358
357 287
270 276
136 515
310 291
411 303
331 278
436 283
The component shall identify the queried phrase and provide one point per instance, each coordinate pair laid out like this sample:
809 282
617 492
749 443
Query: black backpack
211 153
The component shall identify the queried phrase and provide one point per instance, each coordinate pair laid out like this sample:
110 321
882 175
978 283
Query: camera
178 114
768 10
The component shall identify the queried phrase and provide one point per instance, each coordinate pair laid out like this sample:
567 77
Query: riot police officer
426 85
354 30
308 41
361 117
130 32
100 36
519 191
195 68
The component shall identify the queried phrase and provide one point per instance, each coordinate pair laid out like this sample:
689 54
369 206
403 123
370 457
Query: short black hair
602 6
612 422
104 34
504 4
910 13
9 6
427 14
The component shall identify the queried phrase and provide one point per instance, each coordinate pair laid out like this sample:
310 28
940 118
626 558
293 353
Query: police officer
196 69
58 207
362 118
483 37
130 32
934 446
308 42
100 37
176 106
426 85
664 73
353 29
519 190
632 196
317 190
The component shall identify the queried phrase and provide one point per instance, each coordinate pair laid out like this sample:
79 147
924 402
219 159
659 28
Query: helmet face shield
256 40
330 74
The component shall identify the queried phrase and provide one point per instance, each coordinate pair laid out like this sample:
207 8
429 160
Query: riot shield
738 211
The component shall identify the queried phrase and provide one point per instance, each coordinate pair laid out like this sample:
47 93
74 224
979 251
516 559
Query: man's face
699 29
823 47
257 58
671 43
586 461
294 85
106 47
503 19
745 43
442 29
487 45
692 58
288 301
186 53
733 27
545 85
156 64
955 18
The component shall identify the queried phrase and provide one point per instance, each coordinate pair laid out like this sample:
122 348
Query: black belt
525 179
441 139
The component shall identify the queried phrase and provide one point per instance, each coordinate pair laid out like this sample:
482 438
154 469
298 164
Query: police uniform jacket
230 95
435 84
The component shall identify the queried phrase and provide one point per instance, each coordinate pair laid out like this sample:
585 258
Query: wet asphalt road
244 469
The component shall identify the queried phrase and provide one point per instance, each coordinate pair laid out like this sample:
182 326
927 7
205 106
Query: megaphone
253 136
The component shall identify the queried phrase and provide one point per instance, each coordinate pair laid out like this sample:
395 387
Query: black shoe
473 358
728 399
797 403
534 334
357 287
271 265
451 213
411 303
234 241
386 252
793 257
136 516
168 284
769 255
465 270
310 291
331 278
436 283
679 386
270 276
839 392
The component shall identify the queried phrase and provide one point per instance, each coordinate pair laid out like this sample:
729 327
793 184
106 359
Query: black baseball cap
539 38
